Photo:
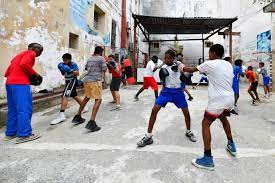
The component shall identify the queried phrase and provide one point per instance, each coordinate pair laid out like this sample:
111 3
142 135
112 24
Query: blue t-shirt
237 72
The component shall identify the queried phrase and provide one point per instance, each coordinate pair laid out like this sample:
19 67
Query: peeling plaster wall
49 22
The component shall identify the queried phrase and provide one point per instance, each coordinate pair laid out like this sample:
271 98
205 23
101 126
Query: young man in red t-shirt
251 76
115 70
19 94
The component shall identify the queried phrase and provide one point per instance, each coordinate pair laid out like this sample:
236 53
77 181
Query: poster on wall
264 46
78 14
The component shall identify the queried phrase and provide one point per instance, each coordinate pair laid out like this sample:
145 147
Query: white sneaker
191 135
59 119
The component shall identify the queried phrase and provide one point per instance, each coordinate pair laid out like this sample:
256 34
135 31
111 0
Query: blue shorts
235 87
266 81
183 85
172 95
204 79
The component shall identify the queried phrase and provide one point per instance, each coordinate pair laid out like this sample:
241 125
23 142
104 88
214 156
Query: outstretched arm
190 69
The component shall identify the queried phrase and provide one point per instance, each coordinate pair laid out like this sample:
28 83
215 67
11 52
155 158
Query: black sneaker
190 98
136 98
145 141
234 112
92 126
78 119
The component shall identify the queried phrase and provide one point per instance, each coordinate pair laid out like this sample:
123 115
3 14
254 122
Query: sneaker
145 141
8 138
117 108
78 119
234 112
92 126
190 98
204 163
32 137
136 98
191 136
61 118
253 102
231 148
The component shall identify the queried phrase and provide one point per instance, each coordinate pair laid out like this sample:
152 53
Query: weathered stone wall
49 22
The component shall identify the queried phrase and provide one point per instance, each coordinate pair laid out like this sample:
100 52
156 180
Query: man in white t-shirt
220 101
148 79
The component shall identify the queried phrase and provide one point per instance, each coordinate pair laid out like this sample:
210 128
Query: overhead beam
139 25
215 32
167 40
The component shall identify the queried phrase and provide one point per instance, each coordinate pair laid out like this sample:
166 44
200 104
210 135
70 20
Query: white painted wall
251 21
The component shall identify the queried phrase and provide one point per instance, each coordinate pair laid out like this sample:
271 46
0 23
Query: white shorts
216 106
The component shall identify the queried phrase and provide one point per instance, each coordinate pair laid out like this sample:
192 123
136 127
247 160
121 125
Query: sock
62 110
230 139
207 153
149 135
118 106
188 131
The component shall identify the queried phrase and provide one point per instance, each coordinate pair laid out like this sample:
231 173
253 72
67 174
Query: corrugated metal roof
172 25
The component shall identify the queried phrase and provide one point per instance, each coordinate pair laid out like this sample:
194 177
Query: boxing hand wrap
163 73
175 67
36 79
64 68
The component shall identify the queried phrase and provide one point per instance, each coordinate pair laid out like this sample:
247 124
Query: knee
154 112
206 123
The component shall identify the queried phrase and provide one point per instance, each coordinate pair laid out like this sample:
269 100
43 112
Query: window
96 19
73 41
99 20
113 39
156 45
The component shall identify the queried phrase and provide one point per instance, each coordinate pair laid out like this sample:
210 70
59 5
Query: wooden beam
226 34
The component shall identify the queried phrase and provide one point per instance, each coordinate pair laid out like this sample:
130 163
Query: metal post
230 42
135 46
149 47
202 49
123 28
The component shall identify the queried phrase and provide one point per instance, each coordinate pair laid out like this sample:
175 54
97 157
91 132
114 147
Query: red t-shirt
251 76
127 63
21 69
114 73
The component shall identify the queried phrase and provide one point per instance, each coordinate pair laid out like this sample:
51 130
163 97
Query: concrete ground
67 153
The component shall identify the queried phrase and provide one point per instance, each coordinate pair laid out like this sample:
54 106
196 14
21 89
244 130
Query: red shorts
213 117
150 82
